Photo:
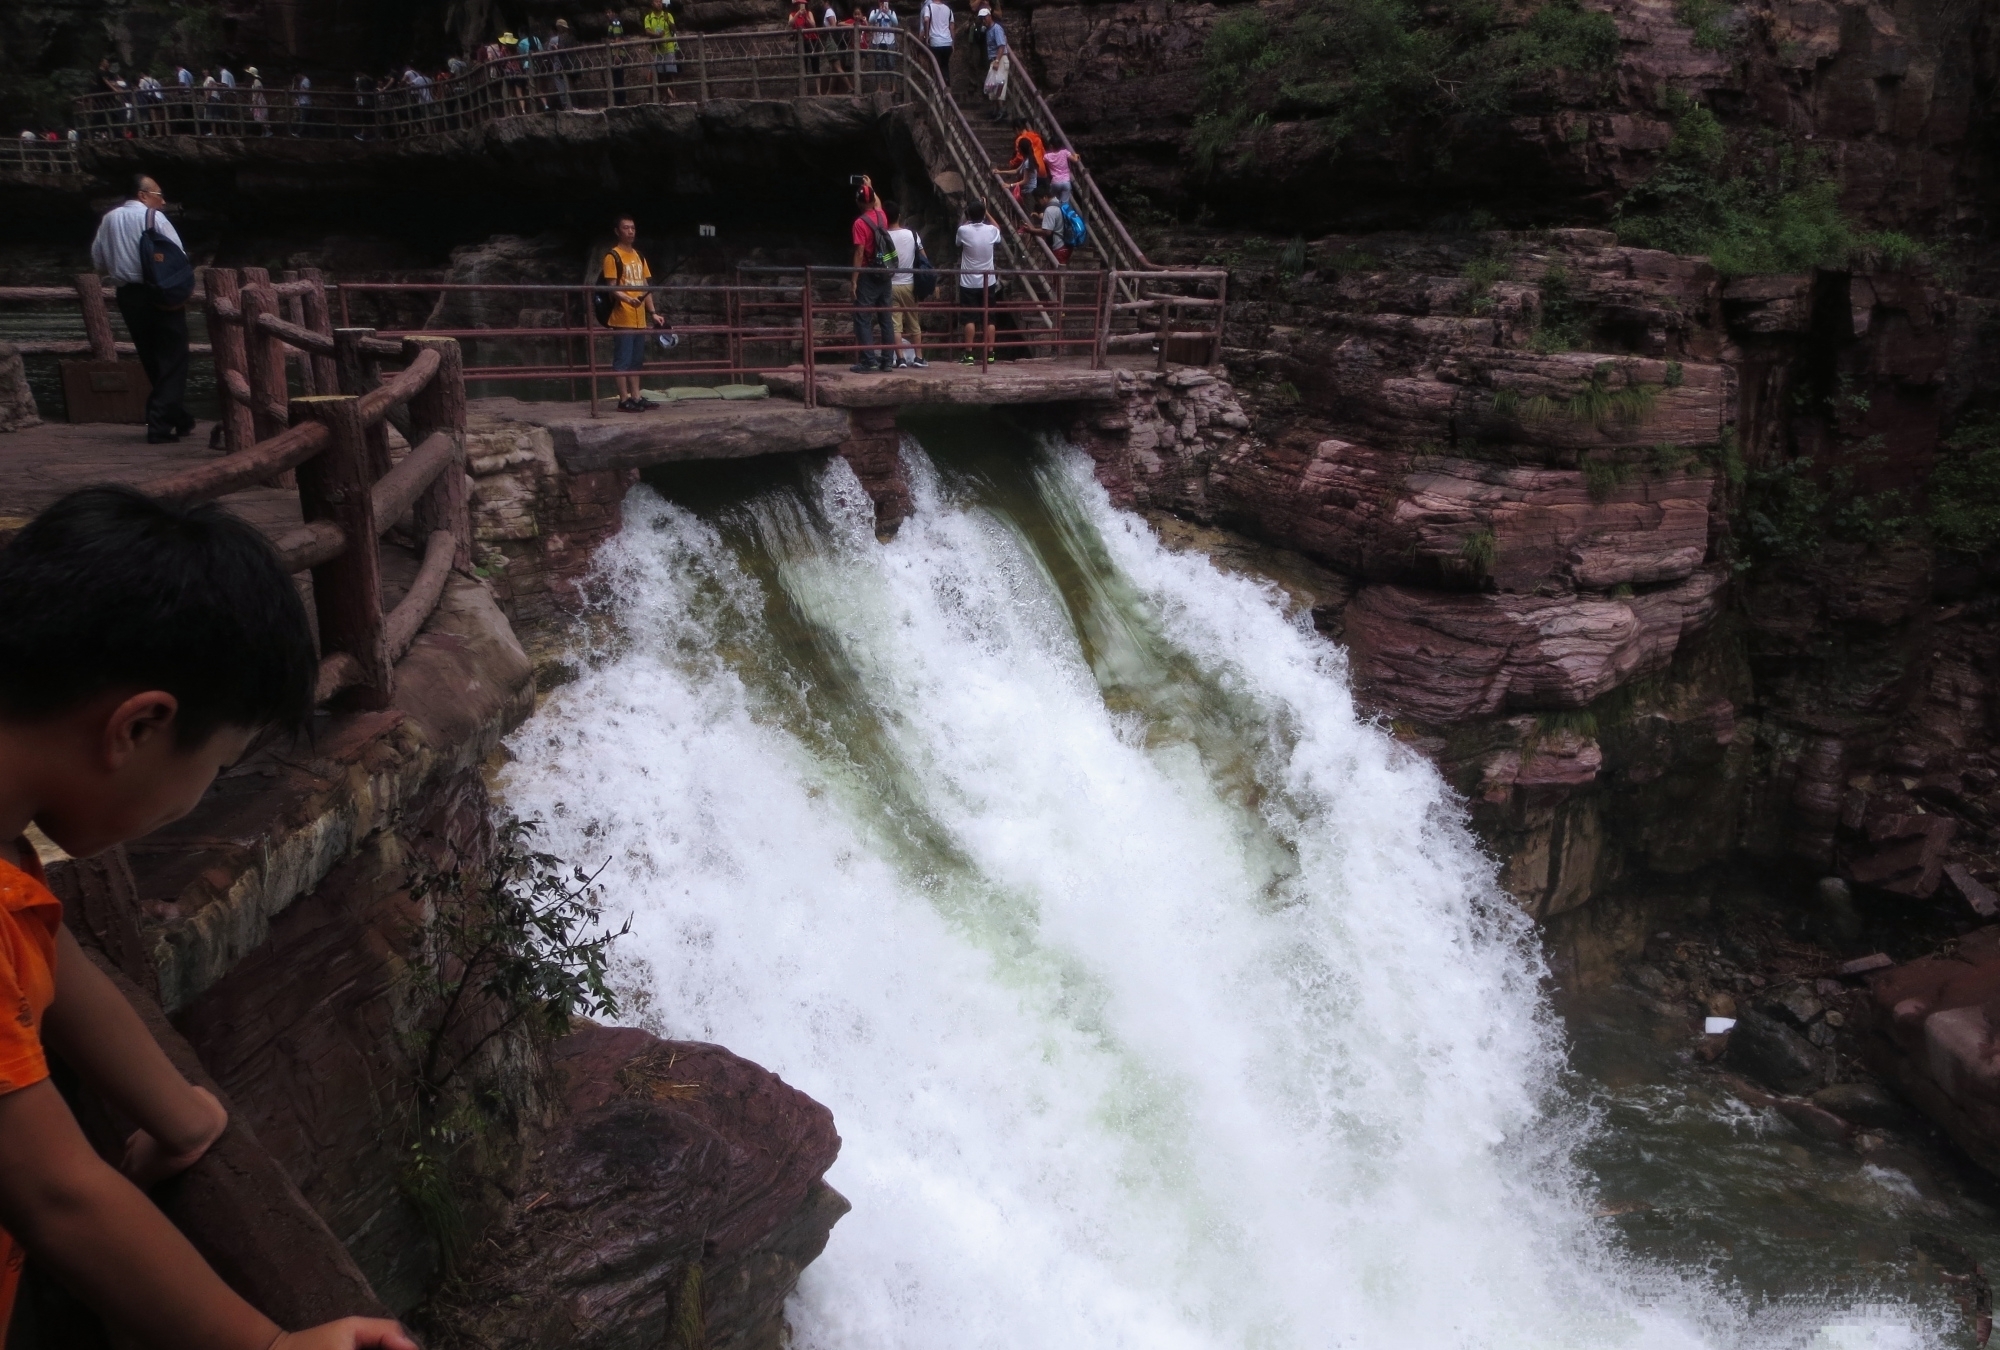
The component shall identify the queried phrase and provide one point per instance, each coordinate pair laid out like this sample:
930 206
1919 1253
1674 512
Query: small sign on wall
707 231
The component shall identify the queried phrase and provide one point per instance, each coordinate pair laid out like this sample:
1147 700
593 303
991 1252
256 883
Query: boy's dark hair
110 589
621 218
889 210
975 210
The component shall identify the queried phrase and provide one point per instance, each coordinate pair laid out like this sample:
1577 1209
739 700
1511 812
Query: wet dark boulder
1773 1054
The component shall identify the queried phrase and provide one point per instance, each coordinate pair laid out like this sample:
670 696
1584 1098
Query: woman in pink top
1060 162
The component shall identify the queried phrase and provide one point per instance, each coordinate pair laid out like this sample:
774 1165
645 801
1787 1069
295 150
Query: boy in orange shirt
142 648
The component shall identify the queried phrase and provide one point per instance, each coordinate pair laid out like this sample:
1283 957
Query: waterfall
1161 999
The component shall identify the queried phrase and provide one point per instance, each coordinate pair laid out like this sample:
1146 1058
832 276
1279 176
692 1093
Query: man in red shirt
874 338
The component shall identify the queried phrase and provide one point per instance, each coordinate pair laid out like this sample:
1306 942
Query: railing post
440 406
326 374
335 485
295 310
1101 325
264 356
1166 327
96 317
806 331
225 338
701 68
358 374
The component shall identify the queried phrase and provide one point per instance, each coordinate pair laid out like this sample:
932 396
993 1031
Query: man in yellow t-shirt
659 23
632 313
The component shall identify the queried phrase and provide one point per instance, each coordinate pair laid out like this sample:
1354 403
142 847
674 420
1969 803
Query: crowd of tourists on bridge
610 58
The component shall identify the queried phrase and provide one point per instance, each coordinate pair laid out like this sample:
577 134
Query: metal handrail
1125 255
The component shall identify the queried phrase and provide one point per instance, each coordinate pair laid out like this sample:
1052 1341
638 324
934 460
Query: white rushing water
1160 1000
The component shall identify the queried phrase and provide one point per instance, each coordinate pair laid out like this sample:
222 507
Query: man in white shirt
978 287
183 97
161 335
934 24
904 320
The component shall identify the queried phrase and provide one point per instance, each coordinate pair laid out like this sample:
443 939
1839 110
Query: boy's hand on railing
148 1160
349 1333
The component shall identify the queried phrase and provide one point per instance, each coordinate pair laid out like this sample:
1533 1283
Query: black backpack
604 300
923 277
165 269
880 244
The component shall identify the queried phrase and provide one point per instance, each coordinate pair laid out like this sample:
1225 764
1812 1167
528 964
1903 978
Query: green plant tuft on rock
1479 550
1601 477
1559 321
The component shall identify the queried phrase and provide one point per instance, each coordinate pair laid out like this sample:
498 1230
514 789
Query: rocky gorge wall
1898 95
1550 563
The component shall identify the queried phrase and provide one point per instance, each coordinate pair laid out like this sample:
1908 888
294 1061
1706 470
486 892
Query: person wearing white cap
998 59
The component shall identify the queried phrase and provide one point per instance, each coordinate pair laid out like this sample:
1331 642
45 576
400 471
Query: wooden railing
334 439
37 159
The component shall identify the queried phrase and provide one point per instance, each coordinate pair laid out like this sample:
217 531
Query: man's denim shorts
628 351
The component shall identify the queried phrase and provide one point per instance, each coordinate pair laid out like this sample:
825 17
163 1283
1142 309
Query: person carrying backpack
874 259
132 248
629 313
1051 227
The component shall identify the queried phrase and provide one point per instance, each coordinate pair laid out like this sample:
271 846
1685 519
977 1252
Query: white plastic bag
996 78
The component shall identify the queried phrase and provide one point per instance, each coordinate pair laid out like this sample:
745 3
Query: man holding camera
874 336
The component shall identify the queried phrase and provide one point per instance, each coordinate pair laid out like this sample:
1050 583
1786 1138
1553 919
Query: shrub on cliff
1376 66
1965 488
1754 206
514 942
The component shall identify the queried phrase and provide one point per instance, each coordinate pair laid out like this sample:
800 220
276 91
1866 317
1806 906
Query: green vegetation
1507 403
1670 458
1374 66
517 942
1601 477
1792 511
510 947
1292 262
1728 457
691 1312
1560 323
1479 550
1352 261
1675 375
1705 17
1752 208
1965 488
1580 722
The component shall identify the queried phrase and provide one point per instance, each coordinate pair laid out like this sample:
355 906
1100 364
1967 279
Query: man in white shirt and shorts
978 286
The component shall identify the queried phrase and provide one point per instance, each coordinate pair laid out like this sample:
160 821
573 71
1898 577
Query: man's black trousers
161 335
874 333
